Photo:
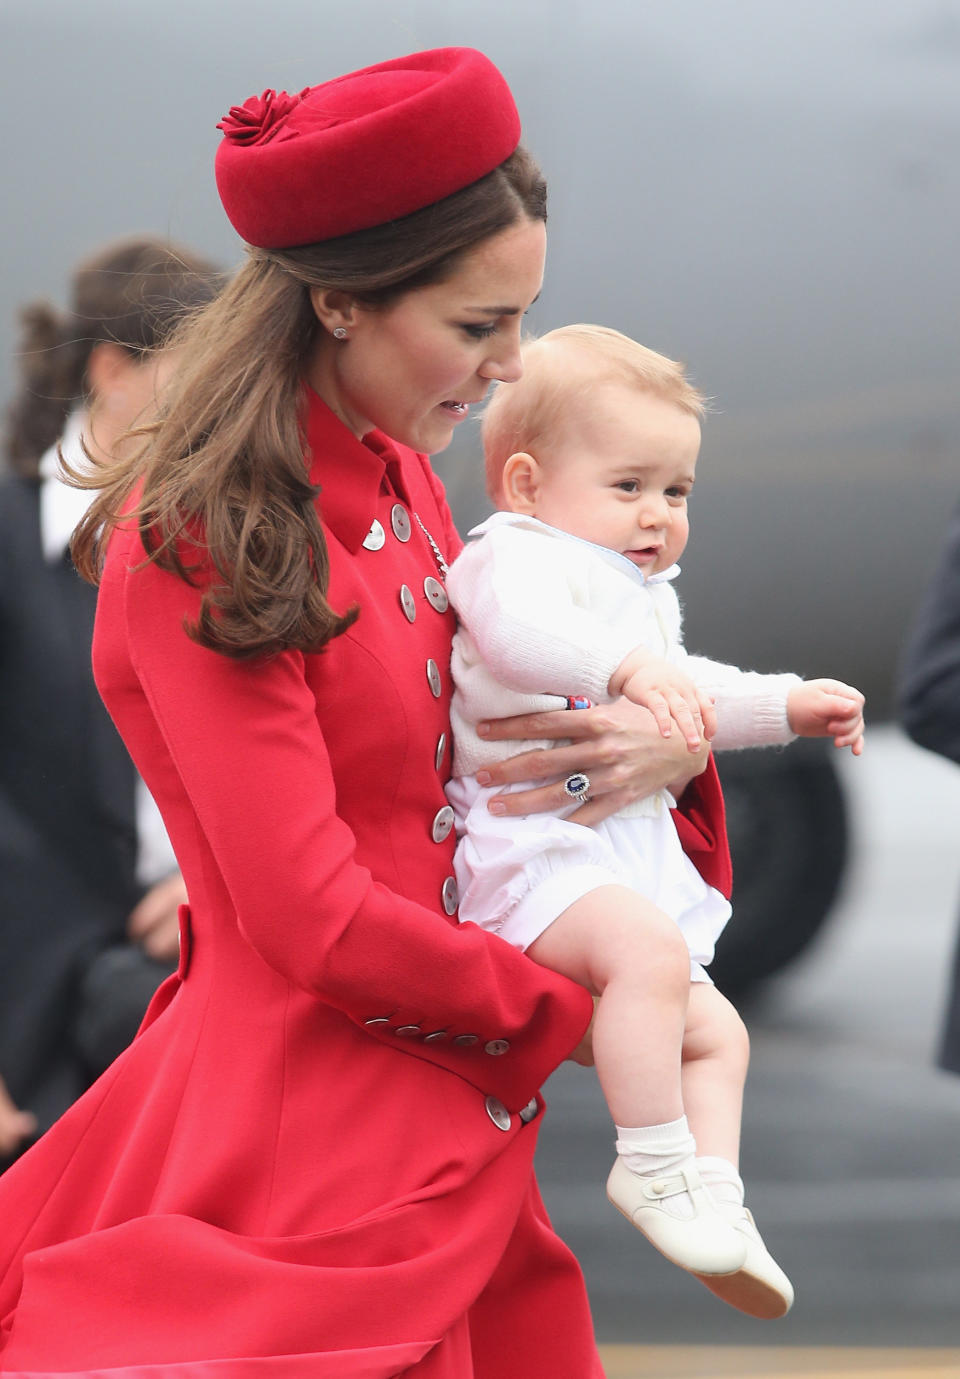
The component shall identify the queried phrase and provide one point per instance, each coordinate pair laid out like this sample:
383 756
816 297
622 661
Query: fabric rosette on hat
364 148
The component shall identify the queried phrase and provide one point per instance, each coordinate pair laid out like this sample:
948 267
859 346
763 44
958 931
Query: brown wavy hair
224 500
130 293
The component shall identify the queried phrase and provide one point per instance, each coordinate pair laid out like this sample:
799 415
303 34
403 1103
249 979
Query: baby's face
619 473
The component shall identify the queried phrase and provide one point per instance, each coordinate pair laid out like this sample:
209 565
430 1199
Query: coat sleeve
929 688
246 744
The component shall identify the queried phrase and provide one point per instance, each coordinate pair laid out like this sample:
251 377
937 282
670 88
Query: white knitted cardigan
544 615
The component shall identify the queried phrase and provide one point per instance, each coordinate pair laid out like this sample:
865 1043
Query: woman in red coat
316 1157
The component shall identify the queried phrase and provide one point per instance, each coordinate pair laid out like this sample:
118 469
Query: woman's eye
480 332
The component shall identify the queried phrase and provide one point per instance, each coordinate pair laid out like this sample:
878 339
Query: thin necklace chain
442 565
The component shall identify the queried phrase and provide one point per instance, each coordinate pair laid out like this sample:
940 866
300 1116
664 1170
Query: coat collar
350 473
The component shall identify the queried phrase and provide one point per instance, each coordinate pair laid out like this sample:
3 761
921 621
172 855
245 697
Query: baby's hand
669 694
827 708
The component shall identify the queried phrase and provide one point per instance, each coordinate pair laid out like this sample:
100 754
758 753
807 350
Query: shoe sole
748 1294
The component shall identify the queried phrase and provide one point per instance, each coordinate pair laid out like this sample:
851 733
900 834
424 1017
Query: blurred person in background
89 886
929 709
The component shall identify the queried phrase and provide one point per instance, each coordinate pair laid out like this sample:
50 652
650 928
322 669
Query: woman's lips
458 409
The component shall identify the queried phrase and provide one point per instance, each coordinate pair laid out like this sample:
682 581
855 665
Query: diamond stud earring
339 332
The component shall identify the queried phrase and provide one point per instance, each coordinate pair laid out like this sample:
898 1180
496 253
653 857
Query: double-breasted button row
436 596
494 1047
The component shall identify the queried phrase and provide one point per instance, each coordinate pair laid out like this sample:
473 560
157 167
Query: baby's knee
647 945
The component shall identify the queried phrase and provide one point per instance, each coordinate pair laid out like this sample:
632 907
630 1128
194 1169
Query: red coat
313 1158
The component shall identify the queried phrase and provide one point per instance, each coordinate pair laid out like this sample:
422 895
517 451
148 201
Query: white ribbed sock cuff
655 1148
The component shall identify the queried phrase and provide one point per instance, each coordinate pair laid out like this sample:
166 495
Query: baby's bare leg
635 959
716 1051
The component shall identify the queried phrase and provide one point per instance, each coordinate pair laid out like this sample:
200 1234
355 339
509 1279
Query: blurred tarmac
851 1138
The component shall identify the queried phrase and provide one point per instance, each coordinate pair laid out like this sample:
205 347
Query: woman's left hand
618 746
155 923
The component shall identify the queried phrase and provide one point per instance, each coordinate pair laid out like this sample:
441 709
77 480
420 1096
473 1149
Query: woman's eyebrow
501 310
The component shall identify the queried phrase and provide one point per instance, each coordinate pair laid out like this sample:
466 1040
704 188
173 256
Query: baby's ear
521 483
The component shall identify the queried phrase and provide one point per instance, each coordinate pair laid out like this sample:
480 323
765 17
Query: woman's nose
505 364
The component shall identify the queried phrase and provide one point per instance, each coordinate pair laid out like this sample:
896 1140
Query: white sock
722 1180
651 1150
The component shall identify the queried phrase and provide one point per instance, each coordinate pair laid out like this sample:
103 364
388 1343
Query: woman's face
414 368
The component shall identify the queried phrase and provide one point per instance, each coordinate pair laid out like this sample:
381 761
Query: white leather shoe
703 1243
760 1287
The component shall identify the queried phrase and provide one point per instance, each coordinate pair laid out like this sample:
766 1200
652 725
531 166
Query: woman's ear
107 366
520 483
334 308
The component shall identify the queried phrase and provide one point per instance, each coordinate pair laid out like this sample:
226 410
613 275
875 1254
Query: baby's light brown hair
559 369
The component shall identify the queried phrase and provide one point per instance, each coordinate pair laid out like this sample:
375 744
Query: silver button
466 1041
450 895
530 1111
498 1113
441 751
436 1036
436 593
375 537
380 1020
408 603
433 678
497 1047
442 824
406 1031
400 522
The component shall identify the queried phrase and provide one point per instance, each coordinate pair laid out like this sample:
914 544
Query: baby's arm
827 708
756 710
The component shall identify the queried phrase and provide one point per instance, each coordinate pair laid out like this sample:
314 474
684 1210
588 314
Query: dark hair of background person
132 294
226 456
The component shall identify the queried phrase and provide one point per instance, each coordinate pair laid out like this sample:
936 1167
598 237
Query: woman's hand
15 1125
154 923
619 747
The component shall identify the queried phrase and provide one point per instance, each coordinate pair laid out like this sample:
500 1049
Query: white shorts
516 875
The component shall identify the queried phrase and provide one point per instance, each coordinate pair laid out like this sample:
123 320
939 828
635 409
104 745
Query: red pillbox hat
364 148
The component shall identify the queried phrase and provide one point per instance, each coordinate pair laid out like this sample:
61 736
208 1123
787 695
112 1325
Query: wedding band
577 785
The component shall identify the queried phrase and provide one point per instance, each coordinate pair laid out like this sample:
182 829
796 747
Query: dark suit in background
930 709
67 830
